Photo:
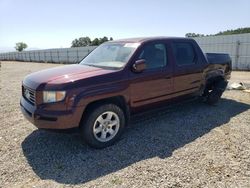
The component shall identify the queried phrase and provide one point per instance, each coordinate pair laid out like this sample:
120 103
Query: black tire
90 120
214 95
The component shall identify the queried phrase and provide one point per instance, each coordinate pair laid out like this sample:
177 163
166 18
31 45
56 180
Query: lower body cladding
44 119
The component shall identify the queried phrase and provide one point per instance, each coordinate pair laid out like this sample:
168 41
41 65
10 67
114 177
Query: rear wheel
214 93
103 125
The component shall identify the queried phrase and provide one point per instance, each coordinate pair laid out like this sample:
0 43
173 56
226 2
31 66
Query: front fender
86 96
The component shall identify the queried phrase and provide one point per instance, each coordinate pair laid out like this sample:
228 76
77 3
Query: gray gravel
188 145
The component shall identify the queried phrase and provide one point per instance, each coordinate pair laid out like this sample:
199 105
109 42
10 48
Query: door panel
188 82
151 87
188 73
156 82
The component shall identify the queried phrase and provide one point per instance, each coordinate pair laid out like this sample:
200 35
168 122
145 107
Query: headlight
53 96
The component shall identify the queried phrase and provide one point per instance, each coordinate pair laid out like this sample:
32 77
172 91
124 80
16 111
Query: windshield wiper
98 66
91 65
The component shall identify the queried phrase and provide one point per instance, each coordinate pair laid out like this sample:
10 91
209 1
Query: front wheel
103 125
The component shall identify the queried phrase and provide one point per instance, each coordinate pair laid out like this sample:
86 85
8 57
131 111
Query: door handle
168 77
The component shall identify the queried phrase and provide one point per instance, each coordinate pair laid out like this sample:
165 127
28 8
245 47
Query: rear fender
215 74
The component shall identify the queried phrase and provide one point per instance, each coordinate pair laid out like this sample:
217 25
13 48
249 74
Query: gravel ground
188 145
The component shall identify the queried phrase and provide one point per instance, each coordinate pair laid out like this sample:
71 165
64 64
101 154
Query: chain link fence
60 55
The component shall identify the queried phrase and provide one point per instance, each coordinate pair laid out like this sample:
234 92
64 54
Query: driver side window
155 55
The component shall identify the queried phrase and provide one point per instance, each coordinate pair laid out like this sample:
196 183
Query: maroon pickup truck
120 78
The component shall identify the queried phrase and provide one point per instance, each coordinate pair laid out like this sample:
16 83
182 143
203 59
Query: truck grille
29 95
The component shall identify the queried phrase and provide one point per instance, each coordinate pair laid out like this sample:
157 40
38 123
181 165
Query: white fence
60 55
237 46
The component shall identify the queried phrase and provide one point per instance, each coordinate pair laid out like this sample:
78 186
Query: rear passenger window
184 53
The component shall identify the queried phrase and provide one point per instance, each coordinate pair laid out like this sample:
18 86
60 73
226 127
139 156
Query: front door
155 83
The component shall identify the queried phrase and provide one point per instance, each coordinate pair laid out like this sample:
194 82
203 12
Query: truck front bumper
45 119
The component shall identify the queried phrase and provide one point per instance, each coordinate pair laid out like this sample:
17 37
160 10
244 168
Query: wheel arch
117 100
212 81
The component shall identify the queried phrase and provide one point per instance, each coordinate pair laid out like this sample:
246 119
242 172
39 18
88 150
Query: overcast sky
55 23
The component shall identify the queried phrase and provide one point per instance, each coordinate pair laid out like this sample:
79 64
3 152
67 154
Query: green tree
86 41
75 43
227 32
95 42
20 46
82 41
104 39
234 31
194 35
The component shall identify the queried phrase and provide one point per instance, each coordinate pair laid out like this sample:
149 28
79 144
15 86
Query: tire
214 95
103 125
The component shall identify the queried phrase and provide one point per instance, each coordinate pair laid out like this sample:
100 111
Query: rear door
188 67
155 83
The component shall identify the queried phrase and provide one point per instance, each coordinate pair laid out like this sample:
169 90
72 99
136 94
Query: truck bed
218 58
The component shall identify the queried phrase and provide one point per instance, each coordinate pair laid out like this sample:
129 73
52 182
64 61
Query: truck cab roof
147 39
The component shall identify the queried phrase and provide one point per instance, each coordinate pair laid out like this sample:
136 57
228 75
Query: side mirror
139 66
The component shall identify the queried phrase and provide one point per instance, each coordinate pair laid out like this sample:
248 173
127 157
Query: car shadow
64 159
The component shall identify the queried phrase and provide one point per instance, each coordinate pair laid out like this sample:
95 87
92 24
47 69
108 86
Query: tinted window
155 55
184 53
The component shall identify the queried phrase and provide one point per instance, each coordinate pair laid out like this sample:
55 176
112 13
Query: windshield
110 55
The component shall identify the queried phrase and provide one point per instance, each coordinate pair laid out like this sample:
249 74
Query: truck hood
62 75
